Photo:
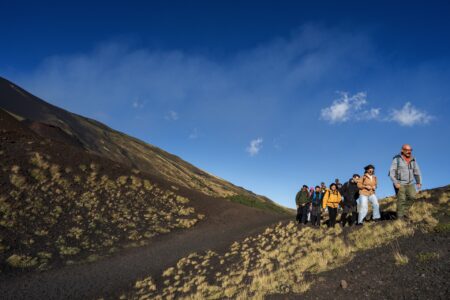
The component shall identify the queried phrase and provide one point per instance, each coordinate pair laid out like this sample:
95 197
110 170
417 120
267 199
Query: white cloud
408 115
347 108
371 114
259 80
138 104
255 146
171 116
352 108
194 134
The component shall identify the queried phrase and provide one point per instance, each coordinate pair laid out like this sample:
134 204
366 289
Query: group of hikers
353 196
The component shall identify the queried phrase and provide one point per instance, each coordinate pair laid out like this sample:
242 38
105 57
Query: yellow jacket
331 199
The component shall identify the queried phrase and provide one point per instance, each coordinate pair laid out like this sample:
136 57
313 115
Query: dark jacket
302 197
316 198
350 192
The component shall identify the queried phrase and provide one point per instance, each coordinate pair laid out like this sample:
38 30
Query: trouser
363 207
345 218
302 213
315 215
405 198
332 213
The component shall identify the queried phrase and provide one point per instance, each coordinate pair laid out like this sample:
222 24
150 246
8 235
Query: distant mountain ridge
50 121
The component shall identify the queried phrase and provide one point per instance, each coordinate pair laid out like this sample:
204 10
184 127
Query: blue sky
269 95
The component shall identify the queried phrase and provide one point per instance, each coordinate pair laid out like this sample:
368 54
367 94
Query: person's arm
360 183
297 199
325 199
417 175
344 188
393 171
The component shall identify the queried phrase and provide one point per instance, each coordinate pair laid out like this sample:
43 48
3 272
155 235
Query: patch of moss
256 203
427 256
442 228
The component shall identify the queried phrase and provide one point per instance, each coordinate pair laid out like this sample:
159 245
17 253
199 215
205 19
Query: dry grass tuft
400 259
22 261
444 198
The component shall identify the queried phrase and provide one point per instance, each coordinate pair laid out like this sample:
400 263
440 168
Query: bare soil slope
50 121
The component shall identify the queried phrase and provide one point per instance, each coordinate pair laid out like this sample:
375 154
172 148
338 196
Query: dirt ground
374 274
112 275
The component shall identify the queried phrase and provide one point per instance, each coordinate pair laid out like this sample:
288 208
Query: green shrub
256 203
442 228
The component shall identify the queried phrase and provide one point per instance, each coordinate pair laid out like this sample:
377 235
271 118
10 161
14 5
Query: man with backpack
403 172
302 201
350 192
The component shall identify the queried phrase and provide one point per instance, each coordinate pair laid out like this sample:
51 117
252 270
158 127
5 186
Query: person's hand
419 186
397 185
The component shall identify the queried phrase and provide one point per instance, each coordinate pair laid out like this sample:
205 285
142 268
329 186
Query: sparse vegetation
277 260
257 203
427 256
80 213
21 261
442 228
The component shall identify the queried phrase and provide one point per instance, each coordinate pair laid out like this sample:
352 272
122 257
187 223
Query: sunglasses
409 150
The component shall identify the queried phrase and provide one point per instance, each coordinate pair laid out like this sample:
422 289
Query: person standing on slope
316 206
403 172
323 188
331 200
338 185
302 201
367 186
350 192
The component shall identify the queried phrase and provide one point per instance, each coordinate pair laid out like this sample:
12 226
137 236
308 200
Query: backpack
397 157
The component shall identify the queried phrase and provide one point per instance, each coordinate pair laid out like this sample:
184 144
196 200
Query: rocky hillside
52 122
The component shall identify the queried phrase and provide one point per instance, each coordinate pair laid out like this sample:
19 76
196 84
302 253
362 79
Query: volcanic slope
50 121
390 259
61 205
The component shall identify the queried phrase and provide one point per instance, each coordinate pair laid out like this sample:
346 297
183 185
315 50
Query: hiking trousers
363 207
303 213
349 215
405 198
332 213
315 215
